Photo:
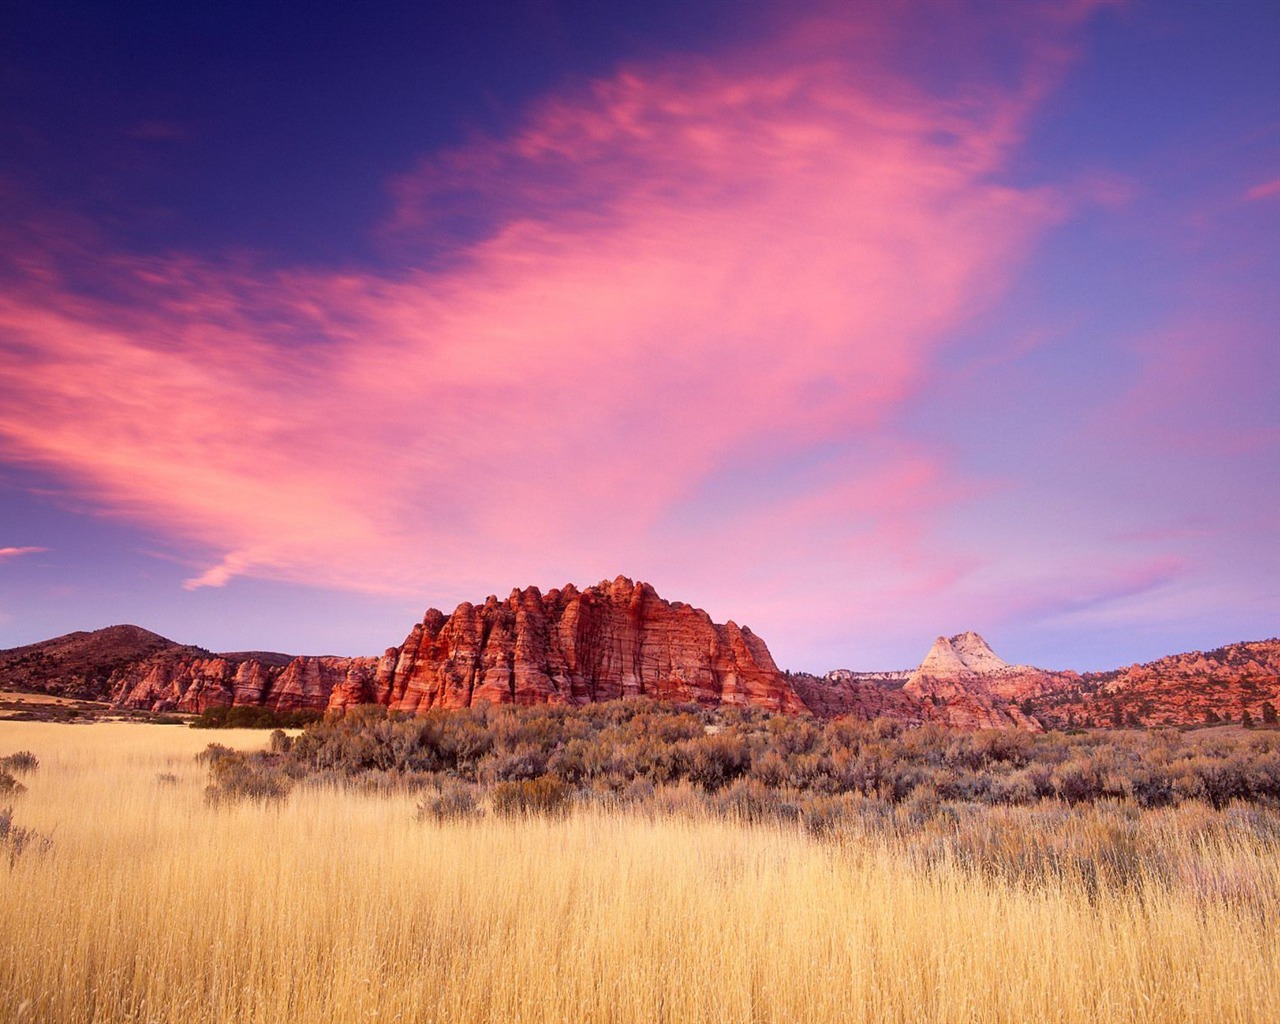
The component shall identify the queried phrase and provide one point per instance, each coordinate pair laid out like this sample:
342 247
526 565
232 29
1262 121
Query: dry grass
338 906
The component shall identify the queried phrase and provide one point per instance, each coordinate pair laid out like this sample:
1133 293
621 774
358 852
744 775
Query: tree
1269 716
1246 719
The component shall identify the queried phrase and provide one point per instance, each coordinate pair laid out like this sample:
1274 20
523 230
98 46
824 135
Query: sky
857 324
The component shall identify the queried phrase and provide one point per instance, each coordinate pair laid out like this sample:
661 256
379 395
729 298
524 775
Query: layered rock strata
194 684
571 646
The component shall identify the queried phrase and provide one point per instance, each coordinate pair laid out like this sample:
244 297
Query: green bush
251 716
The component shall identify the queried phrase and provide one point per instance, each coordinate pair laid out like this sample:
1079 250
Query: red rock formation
1182 689
620 639
180 682
970 687
862 695
612 640
609 641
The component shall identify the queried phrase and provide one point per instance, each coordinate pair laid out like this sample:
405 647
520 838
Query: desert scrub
544 795
15 840
249 716
450 800
602 751
648 903
236 776
23 762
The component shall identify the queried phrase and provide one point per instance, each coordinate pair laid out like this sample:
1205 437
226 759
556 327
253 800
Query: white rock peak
960 654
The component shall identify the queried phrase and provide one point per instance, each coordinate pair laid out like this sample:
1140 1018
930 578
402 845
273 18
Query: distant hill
1195 688
81 664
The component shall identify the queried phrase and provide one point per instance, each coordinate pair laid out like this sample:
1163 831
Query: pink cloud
7 553
1264 190
686 267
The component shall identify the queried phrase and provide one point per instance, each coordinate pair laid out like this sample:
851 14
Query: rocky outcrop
970 687
614 640
620 639
862 695
178 682
1234 683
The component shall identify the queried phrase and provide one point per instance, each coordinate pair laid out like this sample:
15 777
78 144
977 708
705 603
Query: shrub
643 752
525 762
14 839
251 716
752 800
214 753
545 795
22 762
1077 781
452 801
9 786
235 776
717 759
1153 787
1016 789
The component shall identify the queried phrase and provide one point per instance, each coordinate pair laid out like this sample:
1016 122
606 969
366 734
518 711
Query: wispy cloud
8 553
685 268
1264 190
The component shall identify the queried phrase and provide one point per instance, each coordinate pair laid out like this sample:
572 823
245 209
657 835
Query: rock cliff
620 639
569 646
862 695
180 682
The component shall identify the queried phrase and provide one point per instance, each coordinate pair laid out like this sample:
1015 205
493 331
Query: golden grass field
338 906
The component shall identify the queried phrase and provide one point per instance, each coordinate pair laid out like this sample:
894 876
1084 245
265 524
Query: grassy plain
336 905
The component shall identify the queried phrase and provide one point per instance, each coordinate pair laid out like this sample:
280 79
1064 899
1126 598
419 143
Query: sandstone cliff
176 682
616 639
569 646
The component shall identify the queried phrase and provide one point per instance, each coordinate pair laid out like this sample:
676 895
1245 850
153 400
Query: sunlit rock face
971 687
615 639
179 682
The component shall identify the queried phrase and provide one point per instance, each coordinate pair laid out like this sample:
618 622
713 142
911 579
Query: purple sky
857 324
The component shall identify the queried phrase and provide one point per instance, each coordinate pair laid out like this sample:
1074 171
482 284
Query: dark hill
80 664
